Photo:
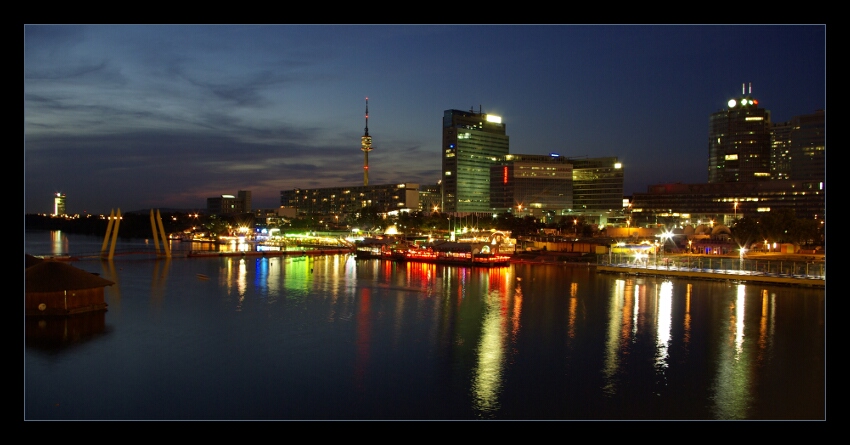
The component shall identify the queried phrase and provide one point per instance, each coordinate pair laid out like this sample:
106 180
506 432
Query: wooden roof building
56 288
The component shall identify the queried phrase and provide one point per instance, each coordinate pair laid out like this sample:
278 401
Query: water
335 338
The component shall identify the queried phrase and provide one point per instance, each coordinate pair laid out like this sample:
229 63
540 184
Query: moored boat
454 258
441 252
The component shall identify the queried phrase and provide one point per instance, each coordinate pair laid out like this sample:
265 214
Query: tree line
781 226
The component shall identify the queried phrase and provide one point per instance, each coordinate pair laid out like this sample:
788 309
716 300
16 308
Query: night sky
164 116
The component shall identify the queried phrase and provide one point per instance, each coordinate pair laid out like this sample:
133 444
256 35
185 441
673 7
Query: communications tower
366 146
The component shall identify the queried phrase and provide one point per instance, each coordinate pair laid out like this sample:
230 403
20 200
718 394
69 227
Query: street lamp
690 252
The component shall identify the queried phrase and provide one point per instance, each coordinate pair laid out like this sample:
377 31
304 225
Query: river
336 338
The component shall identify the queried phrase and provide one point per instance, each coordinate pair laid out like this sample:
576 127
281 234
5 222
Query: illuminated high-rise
472 143
58 204
739 141
230 204
799 148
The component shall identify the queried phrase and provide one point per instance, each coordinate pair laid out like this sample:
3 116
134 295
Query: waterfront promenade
773 268
759 267
717 274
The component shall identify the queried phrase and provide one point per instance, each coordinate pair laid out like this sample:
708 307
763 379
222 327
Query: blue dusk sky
165 116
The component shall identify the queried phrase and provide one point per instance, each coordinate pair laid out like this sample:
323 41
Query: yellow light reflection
686 338
618 328
739 320
488 373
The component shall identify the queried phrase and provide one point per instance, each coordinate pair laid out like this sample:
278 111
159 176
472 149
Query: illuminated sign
494 119
554 155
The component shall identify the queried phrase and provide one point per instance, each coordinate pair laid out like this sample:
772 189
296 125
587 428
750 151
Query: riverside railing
698 263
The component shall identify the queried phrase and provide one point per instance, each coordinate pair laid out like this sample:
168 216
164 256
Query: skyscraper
58 204
799 148
739 142
472 143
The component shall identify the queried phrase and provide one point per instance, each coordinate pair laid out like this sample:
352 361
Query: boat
440 252
454 258
372 248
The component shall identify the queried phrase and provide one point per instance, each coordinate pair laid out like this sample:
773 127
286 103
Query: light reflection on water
337 338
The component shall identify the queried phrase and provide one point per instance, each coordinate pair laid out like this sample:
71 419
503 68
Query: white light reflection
274 267
732 384
739 321
636 311
664 324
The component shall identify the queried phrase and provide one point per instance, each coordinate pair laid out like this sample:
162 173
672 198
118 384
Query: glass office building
540 185
798 148
739 142
550 186
472 143
597 185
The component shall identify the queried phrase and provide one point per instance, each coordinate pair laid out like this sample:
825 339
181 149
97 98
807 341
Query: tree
216 226
747 230
370 218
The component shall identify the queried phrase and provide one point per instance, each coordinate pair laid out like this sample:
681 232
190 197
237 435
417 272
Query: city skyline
167 116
